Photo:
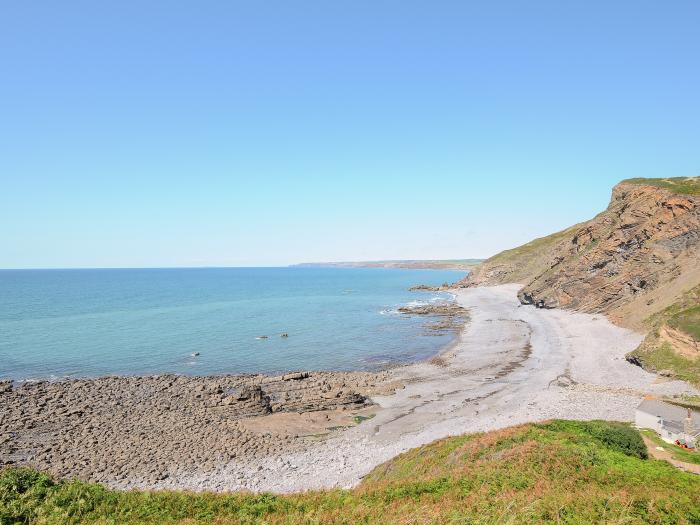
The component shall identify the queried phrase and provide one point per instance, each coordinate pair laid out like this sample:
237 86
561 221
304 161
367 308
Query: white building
671 422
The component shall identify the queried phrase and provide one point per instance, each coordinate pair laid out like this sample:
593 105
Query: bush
614 436
22 491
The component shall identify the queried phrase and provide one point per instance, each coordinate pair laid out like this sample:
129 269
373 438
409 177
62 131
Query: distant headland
435 264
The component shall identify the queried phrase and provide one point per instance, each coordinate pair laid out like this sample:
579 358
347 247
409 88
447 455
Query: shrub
614 436
21 492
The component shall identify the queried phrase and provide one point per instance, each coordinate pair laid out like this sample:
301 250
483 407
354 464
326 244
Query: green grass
524 262
687 400
687 321
557 472
677 452
688 300
662 357
658 354
681 185
532 248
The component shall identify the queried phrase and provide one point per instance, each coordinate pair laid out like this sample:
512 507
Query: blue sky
266 133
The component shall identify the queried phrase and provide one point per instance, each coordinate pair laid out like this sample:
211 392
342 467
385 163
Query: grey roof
672 415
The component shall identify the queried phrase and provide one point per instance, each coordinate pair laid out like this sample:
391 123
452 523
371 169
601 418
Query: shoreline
43 421
513 364
115 430
510 364
434 310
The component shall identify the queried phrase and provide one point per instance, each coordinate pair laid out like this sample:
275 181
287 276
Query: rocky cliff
638 262
632 260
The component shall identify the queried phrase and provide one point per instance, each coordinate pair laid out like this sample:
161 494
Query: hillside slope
557 472
672 345
632 260
638 258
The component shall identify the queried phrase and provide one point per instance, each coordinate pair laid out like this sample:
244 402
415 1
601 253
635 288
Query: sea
57 324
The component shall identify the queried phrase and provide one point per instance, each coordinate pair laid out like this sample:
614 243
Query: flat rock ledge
448 316
120 430
427 288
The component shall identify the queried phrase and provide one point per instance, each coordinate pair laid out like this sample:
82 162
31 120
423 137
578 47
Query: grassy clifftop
680 185
520 264
558 472
635 221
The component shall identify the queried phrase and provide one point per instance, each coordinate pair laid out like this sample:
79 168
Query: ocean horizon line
217 267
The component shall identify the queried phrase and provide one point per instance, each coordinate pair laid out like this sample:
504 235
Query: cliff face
632 260
638 262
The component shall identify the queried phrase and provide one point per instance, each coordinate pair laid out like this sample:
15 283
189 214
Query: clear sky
263 133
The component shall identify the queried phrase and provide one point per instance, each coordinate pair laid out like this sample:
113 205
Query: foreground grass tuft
619 437
555 472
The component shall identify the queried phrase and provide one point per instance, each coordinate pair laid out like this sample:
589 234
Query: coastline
467 265
510 364
144 429
214 322
513 364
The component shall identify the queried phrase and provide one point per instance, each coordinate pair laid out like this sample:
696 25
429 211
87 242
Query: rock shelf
149 428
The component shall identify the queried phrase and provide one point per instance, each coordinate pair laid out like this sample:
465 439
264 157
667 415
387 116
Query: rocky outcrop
443 309
428 288
450 316
630 261
111 428
308 392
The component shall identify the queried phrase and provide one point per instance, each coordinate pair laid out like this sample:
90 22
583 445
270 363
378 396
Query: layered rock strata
630 261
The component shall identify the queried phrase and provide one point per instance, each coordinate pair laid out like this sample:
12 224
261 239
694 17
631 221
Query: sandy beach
510 364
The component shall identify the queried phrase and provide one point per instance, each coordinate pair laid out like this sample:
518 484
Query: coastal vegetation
521 263
663 358
673 339
681 185
554 472
687 321
636 262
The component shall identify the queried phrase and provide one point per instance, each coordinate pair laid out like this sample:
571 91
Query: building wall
644 420
669 437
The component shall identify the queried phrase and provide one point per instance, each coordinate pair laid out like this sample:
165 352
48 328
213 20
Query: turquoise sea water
78 323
